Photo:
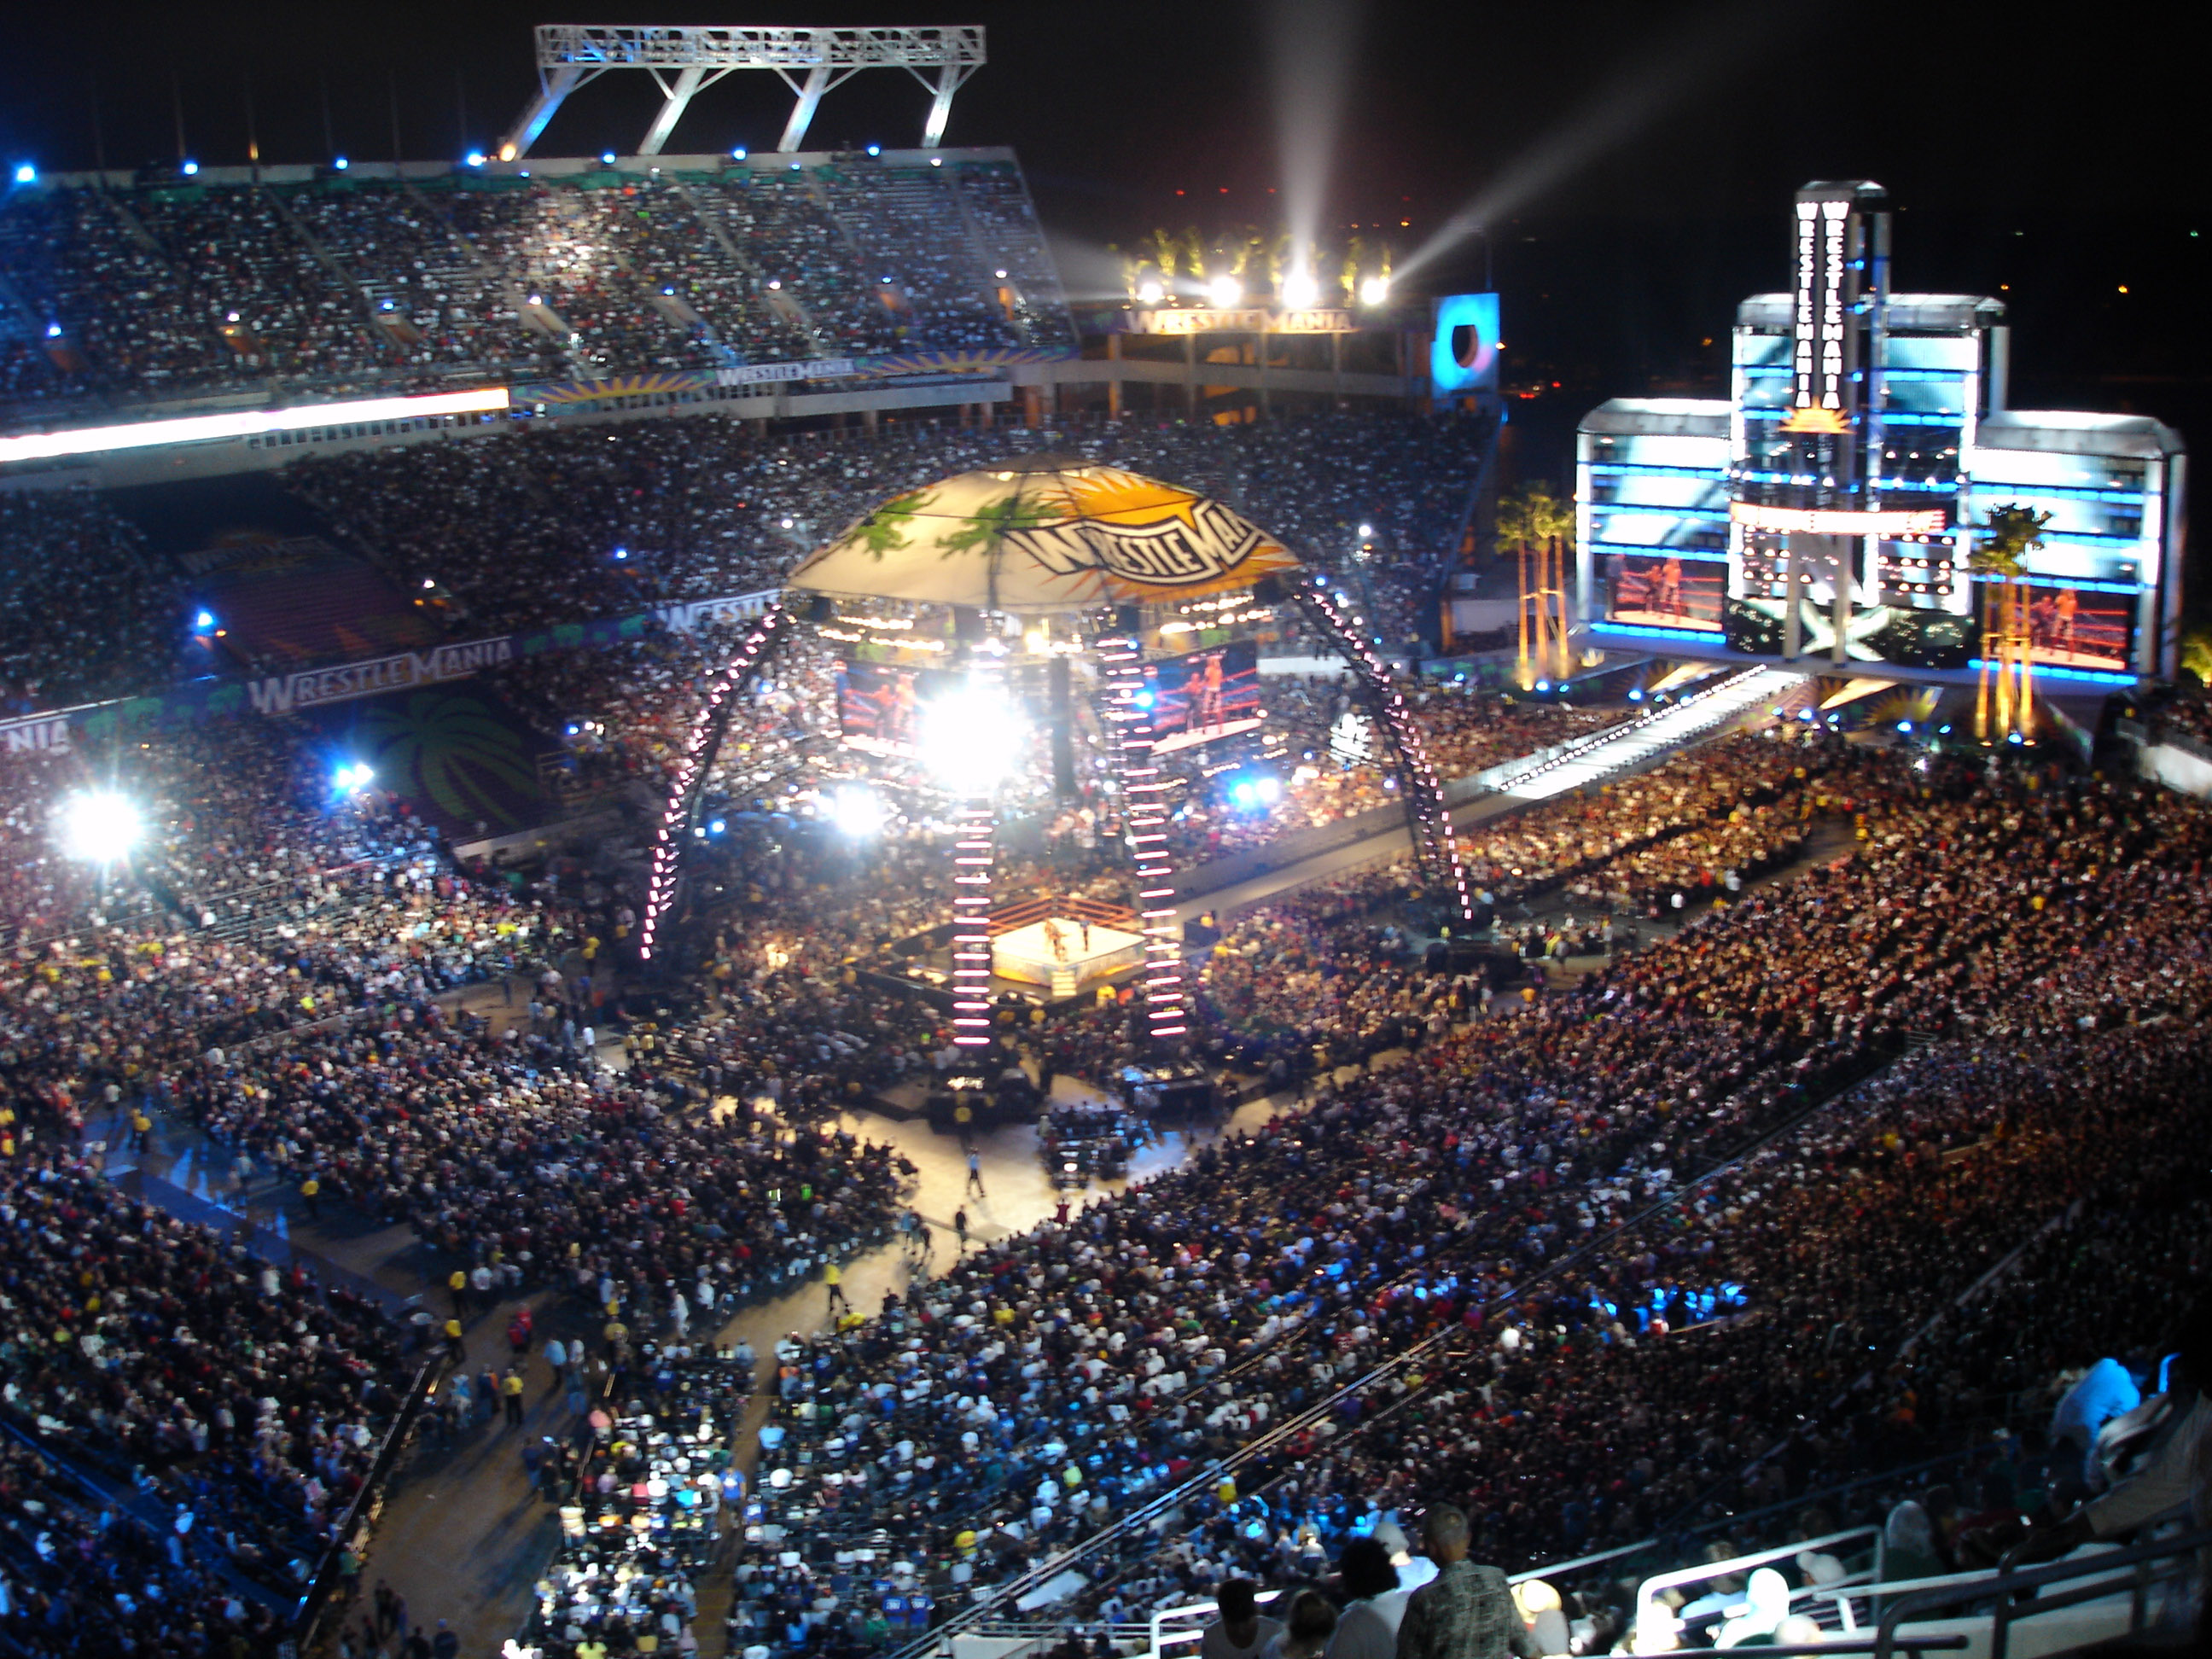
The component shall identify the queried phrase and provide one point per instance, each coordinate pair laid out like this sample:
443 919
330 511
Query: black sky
2056 152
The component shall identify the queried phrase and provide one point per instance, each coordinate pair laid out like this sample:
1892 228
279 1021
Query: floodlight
1375 291
99 826
353 776
1150 294
203 620
1224 292
190 169
856 811
26 174
1366 530
53 330
476 158
875 150
1299 289
341 164
606 158
968 740
738 154
507 152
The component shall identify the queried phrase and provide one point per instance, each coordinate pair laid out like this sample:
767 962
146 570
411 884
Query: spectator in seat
1306 1634
1466 1611
1240 1632
1374 1606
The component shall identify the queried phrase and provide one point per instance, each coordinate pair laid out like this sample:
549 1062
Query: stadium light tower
685 60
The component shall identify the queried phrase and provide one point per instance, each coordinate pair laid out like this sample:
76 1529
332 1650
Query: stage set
1059 567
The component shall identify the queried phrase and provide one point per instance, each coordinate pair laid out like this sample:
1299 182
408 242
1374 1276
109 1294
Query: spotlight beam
1311 46
1624 107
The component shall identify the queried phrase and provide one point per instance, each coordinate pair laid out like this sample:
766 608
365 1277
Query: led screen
1661 590
879 707
1209 693
1463 355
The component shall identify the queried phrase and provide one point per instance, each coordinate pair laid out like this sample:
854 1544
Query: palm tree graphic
457 751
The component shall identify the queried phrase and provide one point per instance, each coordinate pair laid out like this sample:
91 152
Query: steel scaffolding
685 60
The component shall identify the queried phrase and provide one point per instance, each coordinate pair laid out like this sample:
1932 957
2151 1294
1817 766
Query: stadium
744 919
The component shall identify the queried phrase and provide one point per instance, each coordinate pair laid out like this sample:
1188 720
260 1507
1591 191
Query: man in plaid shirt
1465 1612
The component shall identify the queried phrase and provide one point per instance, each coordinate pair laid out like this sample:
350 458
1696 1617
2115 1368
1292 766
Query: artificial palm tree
1540 528
2001 544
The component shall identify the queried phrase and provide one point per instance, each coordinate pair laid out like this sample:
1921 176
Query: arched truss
1420 792
680 816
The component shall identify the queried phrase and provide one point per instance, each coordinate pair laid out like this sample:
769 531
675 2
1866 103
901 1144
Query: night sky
1645 151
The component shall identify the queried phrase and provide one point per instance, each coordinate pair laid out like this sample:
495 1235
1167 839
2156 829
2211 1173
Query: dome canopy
1045 533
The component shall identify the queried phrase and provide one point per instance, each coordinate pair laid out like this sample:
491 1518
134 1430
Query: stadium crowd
86 612
556 525
185 286
1050 1381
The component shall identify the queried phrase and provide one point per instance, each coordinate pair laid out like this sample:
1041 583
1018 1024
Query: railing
317 1602
2018 1595
1648 1615
1139 1519
1187 1626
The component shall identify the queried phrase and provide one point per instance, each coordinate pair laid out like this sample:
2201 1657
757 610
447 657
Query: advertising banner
55 730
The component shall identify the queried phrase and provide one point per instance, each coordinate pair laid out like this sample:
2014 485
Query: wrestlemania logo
1201 542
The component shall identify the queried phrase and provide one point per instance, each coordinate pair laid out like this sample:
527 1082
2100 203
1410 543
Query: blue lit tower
1867 431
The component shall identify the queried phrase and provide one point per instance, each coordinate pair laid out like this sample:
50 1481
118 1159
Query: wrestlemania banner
52 731
1047 539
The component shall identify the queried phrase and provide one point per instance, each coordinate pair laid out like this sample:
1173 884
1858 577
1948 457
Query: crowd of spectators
549 526
1053 1380
189 287
241 1405
2020 919
86 612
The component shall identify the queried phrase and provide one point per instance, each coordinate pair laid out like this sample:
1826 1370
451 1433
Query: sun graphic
1808 419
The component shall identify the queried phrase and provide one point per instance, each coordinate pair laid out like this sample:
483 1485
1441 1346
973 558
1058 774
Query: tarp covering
1045 533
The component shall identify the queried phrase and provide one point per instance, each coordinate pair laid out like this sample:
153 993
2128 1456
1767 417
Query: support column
551 90
1793 626
1840 550
1113 379
1144 813
949 77
672 110
973 852
802 112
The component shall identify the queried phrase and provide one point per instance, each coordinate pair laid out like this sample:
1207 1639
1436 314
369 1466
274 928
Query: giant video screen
1209 693
1664 589
2074 627
879 707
